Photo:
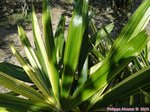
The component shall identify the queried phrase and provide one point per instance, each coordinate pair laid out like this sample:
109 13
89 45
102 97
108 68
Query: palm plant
58 73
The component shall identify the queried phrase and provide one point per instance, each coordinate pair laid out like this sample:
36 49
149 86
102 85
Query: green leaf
104 74
95 67
97 82
97 37
97 54
31 55
47 63
16 104
100 34
73 45
59 38
125 88
48 33
32 75
132 48
40 80
147 94
14 71
20 88
143 22
93 26
84 73
107 71
136 24
39 45
2 109
83 59
91 101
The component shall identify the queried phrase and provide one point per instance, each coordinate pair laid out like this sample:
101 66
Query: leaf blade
103 74
20 88
19 104
47 64
34 77
130 84
73 45
48 33
14 71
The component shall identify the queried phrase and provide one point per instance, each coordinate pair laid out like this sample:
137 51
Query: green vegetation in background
14 19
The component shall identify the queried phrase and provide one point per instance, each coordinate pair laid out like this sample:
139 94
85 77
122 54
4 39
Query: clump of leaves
58 70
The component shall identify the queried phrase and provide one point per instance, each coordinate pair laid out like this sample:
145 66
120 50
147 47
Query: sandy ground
10 35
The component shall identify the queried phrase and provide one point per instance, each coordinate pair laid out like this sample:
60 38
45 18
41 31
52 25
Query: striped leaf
32 75
97 37
59 38
15 104
104 74
46 62
48 33
41 80
20 88
14 71
130 85
132 48
136 24
73 45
